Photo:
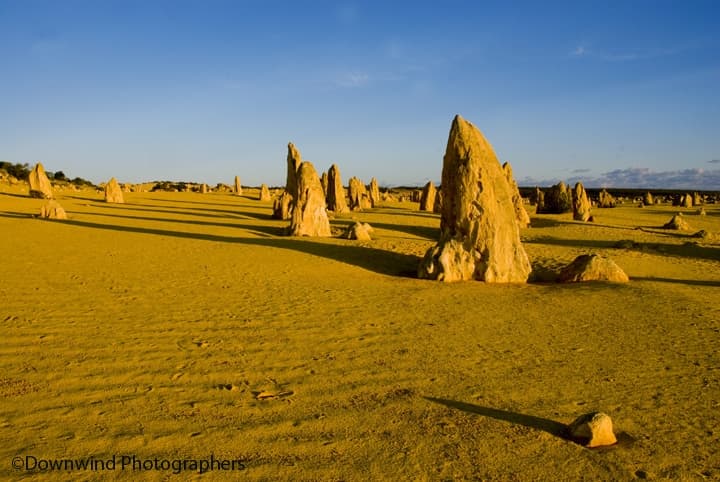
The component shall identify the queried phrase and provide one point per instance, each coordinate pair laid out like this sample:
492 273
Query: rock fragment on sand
52 210
593 430
677 223
40 186
113 193
309 216
521 214
359 231
479 235
592 267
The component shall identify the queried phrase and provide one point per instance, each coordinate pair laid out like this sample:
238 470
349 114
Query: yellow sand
149 329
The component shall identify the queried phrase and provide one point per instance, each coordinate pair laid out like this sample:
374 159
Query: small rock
52 210
359 231
593 430
678 223
592 267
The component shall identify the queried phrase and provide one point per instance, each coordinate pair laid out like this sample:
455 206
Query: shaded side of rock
556 200
521 214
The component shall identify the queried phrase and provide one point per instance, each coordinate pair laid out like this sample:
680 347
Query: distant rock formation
52 210
309 216
606 200
591 267
359 231
648 199
678 223
40 186
264 193
521 214
374 192
479 234
283 204
539 201
556 201
335 191
359 198
697 199
427 198
113 193
581 204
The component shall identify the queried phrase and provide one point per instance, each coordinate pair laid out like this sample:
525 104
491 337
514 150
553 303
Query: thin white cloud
622 55
641 178
579 51
353 80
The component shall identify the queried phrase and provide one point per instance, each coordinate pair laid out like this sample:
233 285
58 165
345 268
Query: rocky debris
309 216
264 193
113 193
592 267
335 191
374 192
427 198
580 203
479 234
359 198
359 231
648 199
592 430
606 200
520 213
40 186
52 210
678 223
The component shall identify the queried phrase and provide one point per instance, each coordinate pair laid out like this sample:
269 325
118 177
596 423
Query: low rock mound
52 210
677 223
592 267
593 430
359 231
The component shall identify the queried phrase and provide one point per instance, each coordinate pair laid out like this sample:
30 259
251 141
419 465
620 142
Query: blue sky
206 90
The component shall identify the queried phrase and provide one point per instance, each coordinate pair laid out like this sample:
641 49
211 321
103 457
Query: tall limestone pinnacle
479 234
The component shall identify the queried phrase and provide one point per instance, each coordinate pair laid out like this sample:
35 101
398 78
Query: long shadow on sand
223 213
691 282
546 425
371 259
683 251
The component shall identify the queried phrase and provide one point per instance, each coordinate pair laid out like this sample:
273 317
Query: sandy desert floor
181 325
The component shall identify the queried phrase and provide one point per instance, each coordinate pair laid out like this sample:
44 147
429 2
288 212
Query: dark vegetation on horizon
22 172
